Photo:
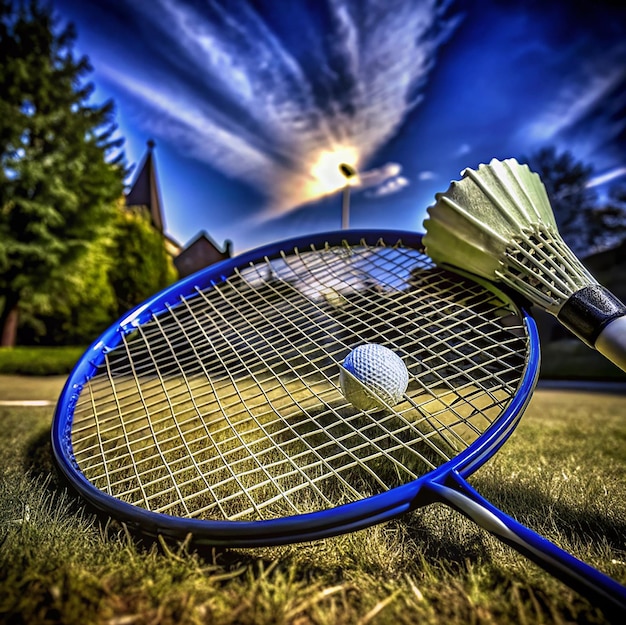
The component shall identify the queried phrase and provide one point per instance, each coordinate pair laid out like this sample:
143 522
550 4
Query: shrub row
38 360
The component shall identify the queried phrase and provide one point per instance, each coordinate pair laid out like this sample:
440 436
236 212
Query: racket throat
456 492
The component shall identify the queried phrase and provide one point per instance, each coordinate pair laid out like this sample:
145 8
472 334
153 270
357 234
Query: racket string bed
337 279
292 463
391 269
226 404
207 487
448 325
319 450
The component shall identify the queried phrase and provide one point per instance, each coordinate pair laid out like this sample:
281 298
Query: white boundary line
27 402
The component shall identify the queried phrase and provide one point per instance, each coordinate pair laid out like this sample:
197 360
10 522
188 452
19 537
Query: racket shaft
586 580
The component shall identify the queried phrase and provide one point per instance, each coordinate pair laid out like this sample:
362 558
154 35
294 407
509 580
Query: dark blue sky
253 103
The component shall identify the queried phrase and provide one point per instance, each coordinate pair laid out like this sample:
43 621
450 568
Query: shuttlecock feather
497 222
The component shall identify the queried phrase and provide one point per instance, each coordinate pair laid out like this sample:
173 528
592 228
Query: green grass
563 473
38 360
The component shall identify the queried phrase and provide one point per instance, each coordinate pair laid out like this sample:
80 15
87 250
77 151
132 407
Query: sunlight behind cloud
326 173
281 118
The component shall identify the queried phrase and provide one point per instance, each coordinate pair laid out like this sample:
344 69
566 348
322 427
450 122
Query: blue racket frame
446 484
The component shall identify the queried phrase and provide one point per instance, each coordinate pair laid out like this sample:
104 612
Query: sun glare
327 176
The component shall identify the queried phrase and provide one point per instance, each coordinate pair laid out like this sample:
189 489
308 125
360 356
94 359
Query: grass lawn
563 473
38 361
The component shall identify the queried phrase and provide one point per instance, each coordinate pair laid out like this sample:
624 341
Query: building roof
199 253
145 189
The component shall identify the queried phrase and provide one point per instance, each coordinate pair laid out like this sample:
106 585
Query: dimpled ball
379 374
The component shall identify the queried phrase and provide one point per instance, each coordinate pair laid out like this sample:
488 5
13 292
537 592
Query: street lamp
349 173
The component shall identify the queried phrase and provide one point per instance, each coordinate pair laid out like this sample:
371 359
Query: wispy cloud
607 176
252 107
581 101
389 187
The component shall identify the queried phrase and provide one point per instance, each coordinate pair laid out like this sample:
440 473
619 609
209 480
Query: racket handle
598 318
589 582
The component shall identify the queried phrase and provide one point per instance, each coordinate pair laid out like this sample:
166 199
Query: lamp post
349 173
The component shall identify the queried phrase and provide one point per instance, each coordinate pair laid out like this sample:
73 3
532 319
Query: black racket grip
598 318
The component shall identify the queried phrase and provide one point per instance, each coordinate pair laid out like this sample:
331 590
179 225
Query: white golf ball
372 376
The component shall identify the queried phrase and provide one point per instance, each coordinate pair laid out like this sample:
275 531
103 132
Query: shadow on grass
39 460
428 531
529 504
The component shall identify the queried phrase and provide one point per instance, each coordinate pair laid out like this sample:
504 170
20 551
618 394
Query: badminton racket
215 407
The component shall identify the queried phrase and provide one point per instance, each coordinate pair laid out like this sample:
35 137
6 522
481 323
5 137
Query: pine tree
60 170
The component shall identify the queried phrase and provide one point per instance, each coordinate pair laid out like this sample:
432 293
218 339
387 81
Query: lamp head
347 170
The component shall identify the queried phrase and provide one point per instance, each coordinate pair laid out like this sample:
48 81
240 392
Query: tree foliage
608 221
142 266
126 264
60 170
81 302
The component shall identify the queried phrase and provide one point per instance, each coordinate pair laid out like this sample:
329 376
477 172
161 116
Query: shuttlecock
497 222
373 376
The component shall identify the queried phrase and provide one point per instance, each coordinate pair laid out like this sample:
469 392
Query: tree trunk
8 322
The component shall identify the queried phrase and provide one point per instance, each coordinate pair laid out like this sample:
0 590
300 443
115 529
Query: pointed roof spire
145 189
